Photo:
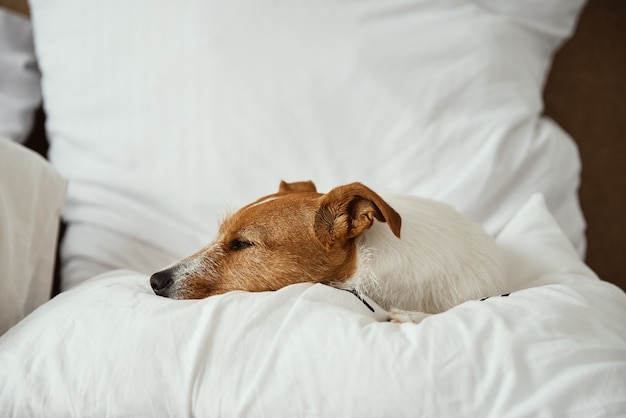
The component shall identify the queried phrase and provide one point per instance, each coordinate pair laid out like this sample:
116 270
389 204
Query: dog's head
296 235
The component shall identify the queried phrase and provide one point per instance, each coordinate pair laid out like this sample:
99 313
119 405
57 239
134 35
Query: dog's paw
399 316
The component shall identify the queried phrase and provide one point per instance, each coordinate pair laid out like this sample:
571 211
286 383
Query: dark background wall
586 95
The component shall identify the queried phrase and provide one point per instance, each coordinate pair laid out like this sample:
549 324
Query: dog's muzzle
162 281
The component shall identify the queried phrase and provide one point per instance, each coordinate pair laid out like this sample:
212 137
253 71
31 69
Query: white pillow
161 114
20 90
110 347
31 197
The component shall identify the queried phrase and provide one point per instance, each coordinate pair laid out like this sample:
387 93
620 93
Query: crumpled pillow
31 198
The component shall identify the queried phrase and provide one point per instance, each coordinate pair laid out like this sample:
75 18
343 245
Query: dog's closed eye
239 244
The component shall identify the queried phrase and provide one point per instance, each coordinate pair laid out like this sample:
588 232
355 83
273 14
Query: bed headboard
586 95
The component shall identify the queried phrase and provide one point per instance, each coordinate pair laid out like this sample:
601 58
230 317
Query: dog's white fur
441 260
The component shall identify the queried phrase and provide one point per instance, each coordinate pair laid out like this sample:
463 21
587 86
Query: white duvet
556 346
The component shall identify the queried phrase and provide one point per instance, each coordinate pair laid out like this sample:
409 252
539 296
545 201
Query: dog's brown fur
295 235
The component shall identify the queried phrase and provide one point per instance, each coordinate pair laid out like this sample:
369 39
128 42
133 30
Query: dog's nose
161 281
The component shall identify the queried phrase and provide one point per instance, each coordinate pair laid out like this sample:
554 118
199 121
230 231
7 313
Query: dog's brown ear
346 211
298 186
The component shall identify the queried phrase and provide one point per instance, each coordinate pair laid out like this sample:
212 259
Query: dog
413 256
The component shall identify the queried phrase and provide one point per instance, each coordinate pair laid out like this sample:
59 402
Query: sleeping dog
413 256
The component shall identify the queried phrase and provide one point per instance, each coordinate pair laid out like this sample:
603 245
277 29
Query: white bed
110 347
164 116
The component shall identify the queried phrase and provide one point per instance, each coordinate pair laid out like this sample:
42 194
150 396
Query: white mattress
556 346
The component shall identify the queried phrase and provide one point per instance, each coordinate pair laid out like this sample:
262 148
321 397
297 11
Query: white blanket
556 346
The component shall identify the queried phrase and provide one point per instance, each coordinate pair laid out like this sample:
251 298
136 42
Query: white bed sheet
109 347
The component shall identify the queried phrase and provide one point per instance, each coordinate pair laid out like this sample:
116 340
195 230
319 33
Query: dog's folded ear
346 211
298 186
